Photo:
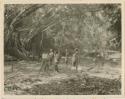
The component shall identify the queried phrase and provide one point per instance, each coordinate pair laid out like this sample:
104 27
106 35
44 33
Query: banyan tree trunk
14 47
12 43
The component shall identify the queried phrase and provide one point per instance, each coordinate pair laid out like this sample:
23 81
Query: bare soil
90 79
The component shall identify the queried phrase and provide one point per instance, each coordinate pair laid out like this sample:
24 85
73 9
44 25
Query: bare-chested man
56 60
51 57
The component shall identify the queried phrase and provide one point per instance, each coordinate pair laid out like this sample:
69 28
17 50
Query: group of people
53 58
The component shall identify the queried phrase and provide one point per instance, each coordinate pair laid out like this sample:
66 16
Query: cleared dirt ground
90 79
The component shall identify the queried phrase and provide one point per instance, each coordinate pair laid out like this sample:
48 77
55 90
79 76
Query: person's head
51 50
56 52
76 49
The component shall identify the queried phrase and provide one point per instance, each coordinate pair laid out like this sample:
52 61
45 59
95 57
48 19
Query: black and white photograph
63 49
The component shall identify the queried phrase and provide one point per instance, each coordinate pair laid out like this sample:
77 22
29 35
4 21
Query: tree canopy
34 29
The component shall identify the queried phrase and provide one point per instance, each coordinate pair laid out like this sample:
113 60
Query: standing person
56 60
51 57
75 59
45 65
66 57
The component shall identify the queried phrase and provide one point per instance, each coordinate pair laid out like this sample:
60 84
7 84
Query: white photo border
59 2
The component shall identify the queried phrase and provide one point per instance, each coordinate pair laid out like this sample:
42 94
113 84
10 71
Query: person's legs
42 66
66 61
46 65
73 63
50 63
76 65
56 67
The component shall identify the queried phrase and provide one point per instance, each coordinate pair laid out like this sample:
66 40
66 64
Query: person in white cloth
45 62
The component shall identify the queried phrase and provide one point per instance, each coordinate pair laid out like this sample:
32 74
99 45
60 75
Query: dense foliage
31 30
